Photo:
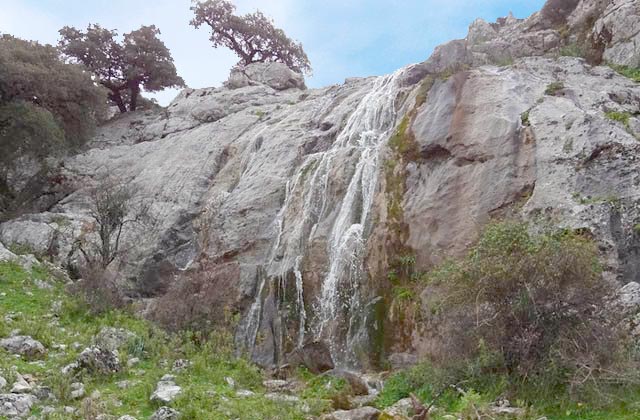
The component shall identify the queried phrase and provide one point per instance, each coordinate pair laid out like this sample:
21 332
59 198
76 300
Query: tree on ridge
142 60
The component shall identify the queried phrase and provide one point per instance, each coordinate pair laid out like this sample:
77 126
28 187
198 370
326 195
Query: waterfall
309 203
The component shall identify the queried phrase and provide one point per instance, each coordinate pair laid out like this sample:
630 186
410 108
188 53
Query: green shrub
526 305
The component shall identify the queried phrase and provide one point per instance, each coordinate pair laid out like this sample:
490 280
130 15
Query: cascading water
310 203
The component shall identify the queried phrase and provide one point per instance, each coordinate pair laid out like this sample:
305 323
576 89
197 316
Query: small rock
47 409
127 417
98 360
165 413
24 346
77 390
43 393
166 390
244 393
277 385
16 405
132 362
3 383
42 285
69 410
70 368
364 413
180 364
282 398
123 384
230 381
402 408
21 386
113 339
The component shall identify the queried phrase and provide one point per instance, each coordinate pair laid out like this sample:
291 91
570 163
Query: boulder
358 385
315 356
275 75
25 346
113 339
363 413
401 409
99 361
21 386
16 405
165 413
166 390
6 255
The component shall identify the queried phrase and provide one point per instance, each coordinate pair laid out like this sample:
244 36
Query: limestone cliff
293 202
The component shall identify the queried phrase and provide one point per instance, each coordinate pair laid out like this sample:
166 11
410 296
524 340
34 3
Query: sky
343 38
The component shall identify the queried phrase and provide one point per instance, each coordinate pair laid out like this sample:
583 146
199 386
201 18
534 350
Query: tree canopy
253 37
140 61
45 103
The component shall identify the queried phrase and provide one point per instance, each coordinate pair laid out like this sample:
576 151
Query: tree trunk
135 93
117 99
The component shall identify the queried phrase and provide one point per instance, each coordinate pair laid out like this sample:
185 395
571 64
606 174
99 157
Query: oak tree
253 37
140 61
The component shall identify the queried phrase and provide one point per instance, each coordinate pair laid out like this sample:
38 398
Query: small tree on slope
253 37
141 61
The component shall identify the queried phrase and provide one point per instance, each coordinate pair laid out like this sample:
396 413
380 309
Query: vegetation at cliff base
521 317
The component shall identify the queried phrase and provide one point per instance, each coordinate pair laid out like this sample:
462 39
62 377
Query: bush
98 290
196 300
526 306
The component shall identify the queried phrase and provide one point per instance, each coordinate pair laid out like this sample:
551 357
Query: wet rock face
277 198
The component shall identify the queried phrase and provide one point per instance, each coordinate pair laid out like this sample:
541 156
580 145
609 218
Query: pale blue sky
343 38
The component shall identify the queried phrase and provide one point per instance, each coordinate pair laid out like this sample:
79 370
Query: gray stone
113 339
165 413
3 383
363 413
315 356
401 408
16 405
77 390
24 346
6 255
20 385
99 361
166 390
275 75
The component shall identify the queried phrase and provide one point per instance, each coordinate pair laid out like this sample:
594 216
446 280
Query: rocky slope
292 203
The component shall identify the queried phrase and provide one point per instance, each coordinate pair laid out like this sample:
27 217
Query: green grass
205 392
619 116
554 88
630 72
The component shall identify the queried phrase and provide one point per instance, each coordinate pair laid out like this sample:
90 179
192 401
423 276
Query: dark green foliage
47 107
253 37
140 61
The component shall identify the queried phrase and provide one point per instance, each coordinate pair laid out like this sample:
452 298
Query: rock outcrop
290 204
